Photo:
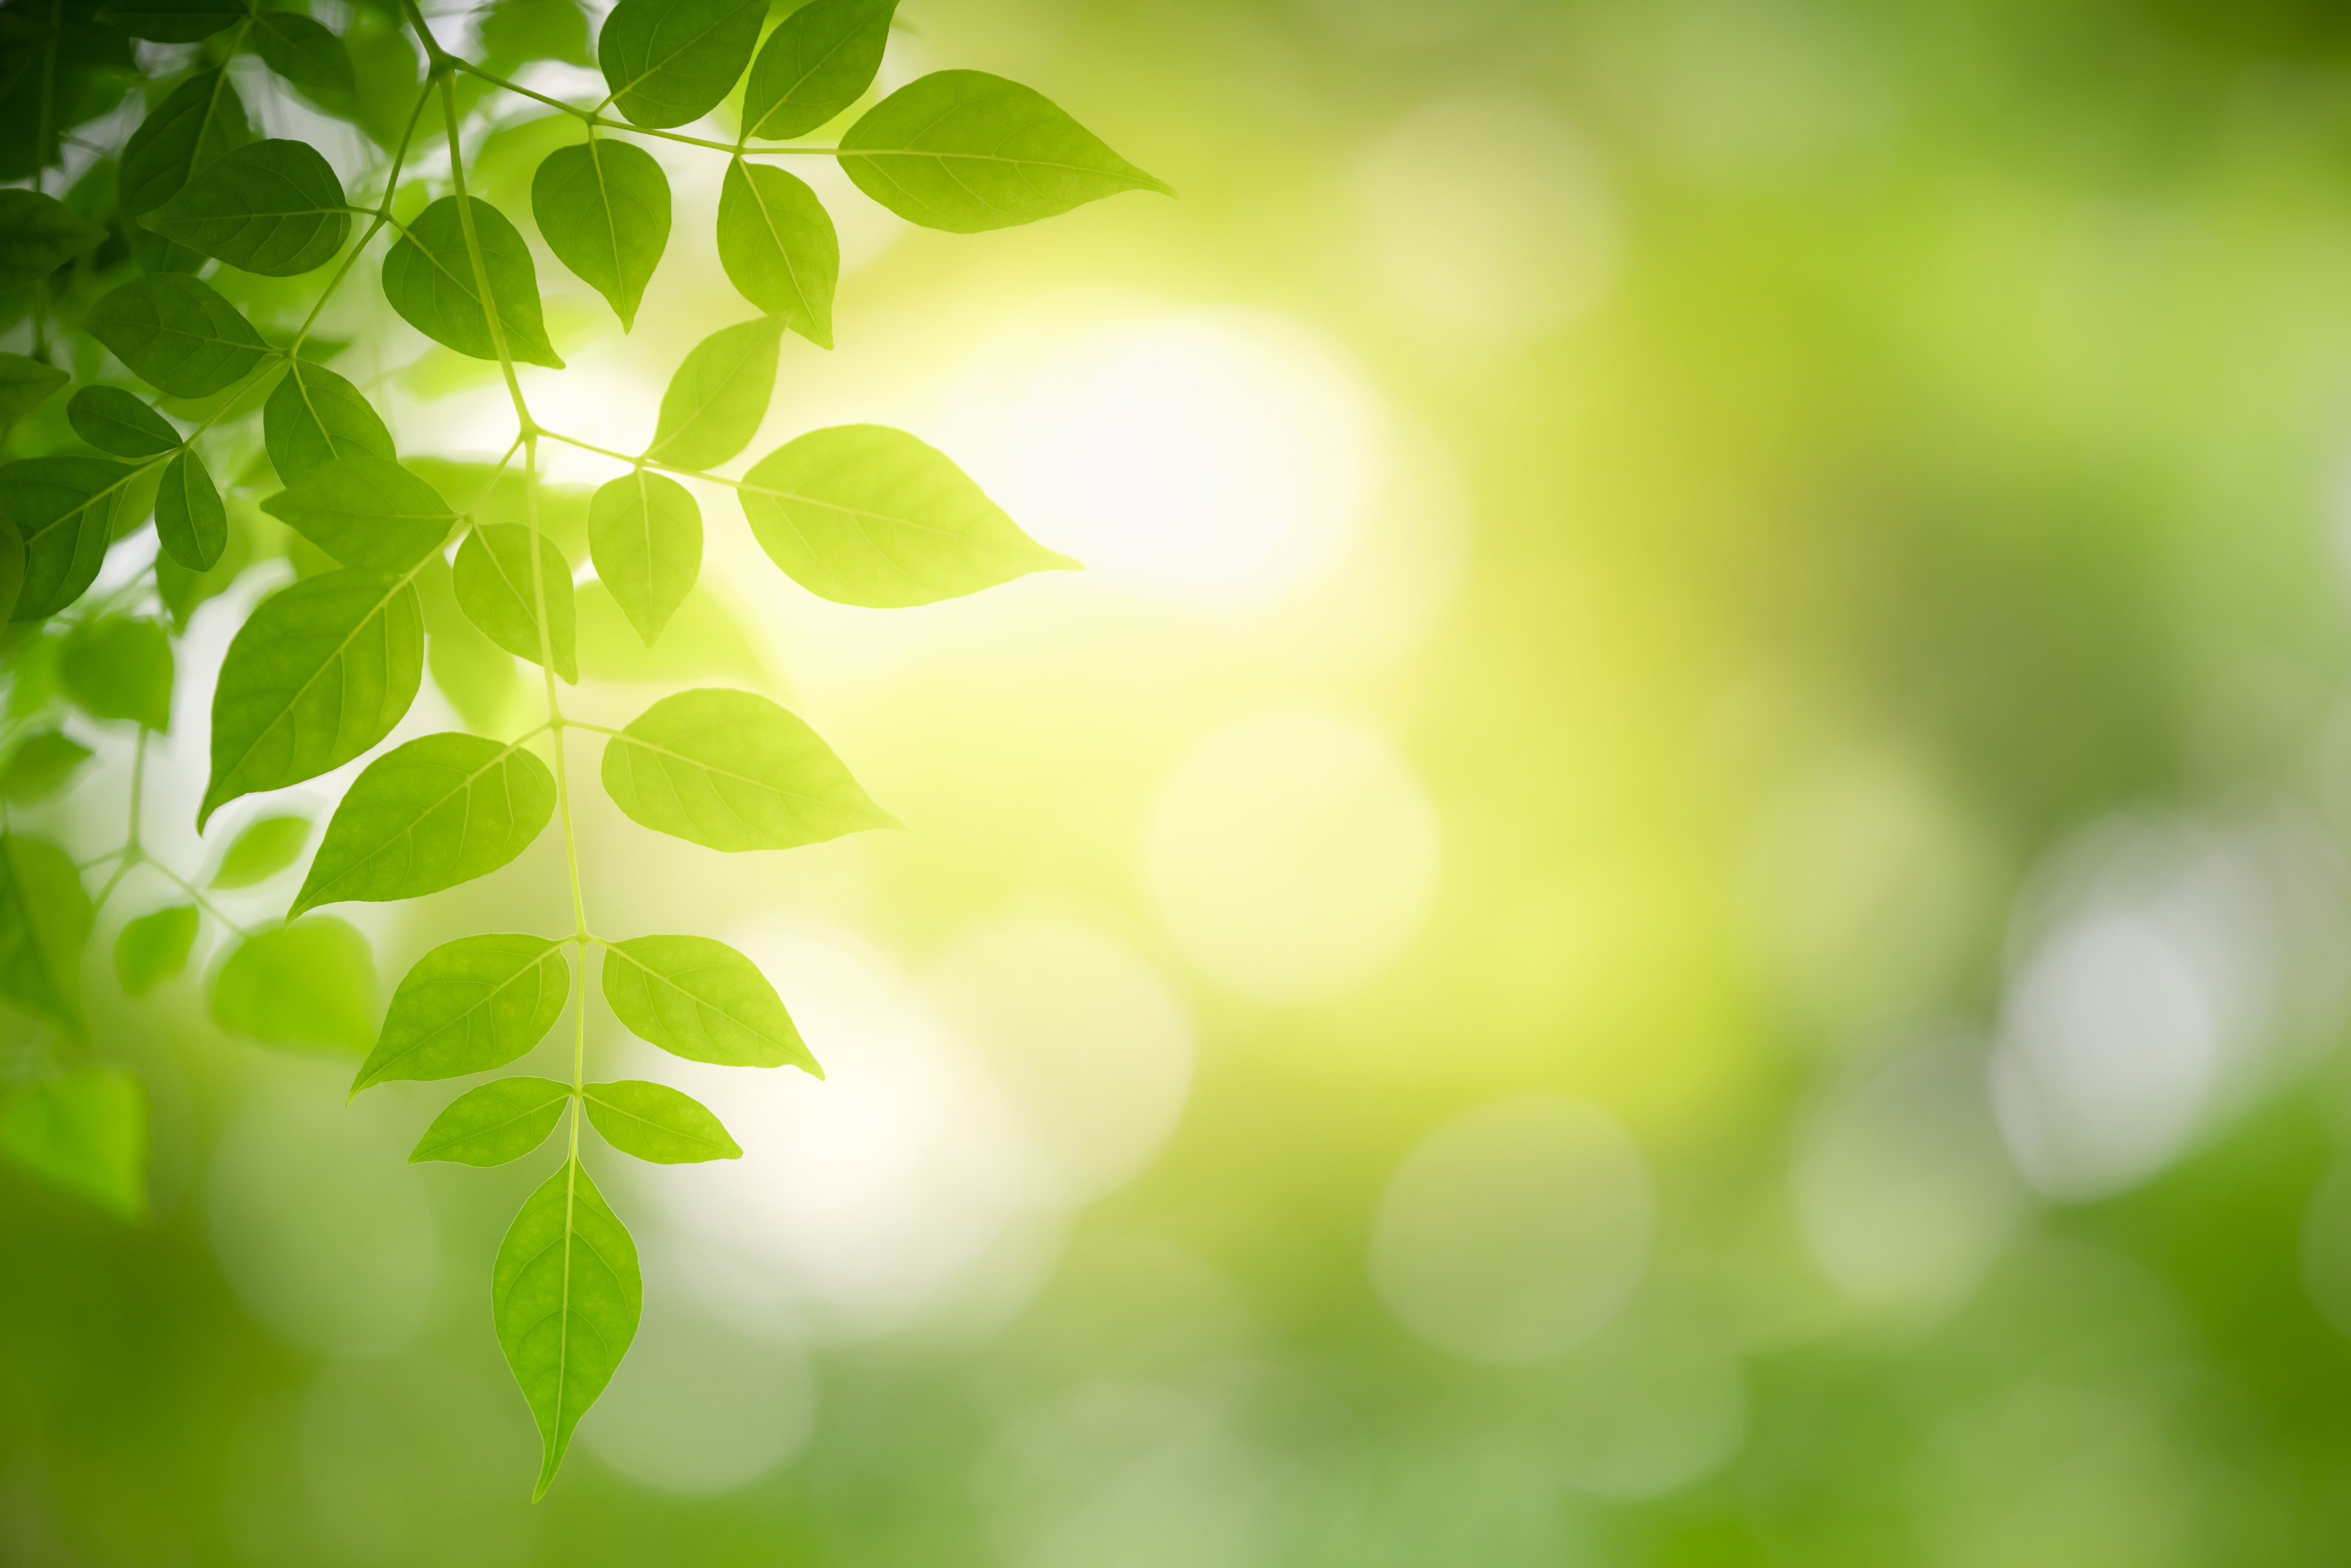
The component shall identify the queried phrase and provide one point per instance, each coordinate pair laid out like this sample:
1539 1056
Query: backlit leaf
63 509
170 21
190 521
703 1000
861 514
603 209
302 51
200 121
480 679
314 415
498 1122
309 984
318 674
731 770
83 1132
966 151
671 61
566 1294
178 333
153 947
40 766
656 1122
114 667
45 919
439 810
644 533
119 422
469 1006
518 30
497 590
265 847
429 278
26 383
38 235
365 511
719 395
818 61
273 207
778 246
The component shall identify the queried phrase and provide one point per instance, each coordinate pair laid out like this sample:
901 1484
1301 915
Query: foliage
123 289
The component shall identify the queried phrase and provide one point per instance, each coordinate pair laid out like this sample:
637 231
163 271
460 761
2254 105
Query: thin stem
195 892
593 117
138 785
640 462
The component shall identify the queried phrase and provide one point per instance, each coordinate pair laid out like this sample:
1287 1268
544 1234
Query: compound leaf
701 999
818 62
861 514
114 667
178 333
115 421
644 533
313 416
63 511
273 207
493 575
45 919
778 246
26 383
365 511
469 1006
429 278
265 847
566 1294
439 810
190 521
731 770
498 1122
309 984
302 51
719 395
40 766
671 61
38 235
84 1132
170 21
153 947
602 208
656 1122
200 121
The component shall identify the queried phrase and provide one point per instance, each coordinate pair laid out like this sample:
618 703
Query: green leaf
603 209
198 123
309 984
170 21
656 1122
318 674
190 521
566 1295
177 333
26 383
39 767
313 416
519 30
480 679
706 640
966 151
860 514
85 1133
118 668
302 51
365 511
669 62
496 1123
730 770
115 421
38 235
818 62
63 509
153 947
265 847
469 1006
776 243
429 278
495 591
441 810
273 207
644 533
703 1000
719 395
45 919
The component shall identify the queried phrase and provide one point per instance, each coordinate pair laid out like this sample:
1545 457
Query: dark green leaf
273 207
118 668
115 421
318 674
365 511
429 278
63 509
644 533
265 847
84 1132
202 121
497 590
178 333
314 415
566 1295
818 62
966 151
44 920
309 984
153 947
777 242
302 51
38 235
719 395
499 1121
861 514
40 766
468 1006
190 521
170 21
654 1122
26 383
441 810
703 1000
671 61
183 589
603 209
514 31
730 770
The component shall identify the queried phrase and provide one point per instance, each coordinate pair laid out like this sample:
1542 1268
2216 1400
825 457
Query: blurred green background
1673 896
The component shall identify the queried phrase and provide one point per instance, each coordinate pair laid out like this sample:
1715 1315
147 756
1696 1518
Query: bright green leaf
38 235
644 533
198 123
498 1122
45 919
317 676
153 947
469 1006
39 767
190 521
669 62
365 511
429 278
26 383
818 62
480 679
656 1122
178 333
84 1132
273 207
119 422
514 31
302 51
861 514
566 1295
63 509
265 847
602 208
776 243
309 984
497 590
703 1000
313 416
441 810
170 21
730 770
719 395
113 667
